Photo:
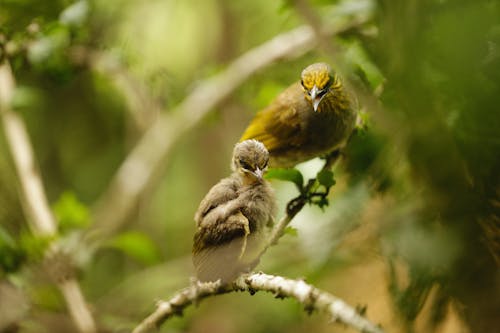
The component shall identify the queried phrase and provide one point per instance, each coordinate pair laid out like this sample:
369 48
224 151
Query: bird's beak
258 173
315 99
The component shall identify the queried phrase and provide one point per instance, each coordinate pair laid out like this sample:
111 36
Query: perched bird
310 118
232 218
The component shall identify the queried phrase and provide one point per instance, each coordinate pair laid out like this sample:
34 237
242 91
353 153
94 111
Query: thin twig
33 198
296 205
144 161
312 298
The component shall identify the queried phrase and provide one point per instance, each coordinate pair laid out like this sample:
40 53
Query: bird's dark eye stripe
245 165
329 83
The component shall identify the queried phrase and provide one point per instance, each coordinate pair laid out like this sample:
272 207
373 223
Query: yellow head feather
318 75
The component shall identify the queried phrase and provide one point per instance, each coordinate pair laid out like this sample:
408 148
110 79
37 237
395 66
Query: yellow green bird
311 118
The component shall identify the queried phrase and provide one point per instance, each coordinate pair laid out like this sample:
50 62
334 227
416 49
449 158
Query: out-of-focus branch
33 198
34 201
142 107
313 20
312 298
144 161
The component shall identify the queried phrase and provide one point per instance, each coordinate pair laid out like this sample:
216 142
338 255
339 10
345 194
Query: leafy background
412 230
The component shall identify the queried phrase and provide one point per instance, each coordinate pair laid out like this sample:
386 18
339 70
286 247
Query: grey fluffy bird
232 218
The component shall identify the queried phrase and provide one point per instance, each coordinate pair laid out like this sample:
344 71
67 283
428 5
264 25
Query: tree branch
146 158
312 298
33 198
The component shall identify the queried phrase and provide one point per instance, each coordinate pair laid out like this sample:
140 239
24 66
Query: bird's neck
248 180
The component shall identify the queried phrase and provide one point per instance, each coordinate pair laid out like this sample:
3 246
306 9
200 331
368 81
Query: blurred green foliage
70 212
136 245
412 227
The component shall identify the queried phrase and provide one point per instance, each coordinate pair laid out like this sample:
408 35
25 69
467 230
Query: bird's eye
265 164
322 92
302 83
245 165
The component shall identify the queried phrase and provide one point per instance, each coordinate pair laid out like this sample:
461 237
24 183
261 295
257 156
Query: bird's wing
218 248
278 125
220 193
219 262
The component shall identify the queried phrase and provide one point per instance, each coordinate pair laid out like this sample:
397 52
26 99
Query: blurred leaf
16 252
325 178
363 123
6 239
136 245
48 297
11 255
292 175
75 14
34 247
267 92
26 97
358 58
290 231
46 48
70 212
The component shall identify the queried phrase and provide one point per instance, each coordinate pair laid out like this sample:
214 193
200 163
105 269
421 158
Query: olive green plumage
232 218
310 118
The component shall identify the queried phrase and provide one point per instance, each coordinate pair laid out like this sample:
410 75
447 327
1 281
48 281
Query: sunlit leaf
291 175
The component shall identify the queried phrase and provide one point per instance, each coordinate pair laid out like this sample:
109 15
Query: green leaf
33 247
325 178
11 256
290 231
291 174
70 212
136 245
